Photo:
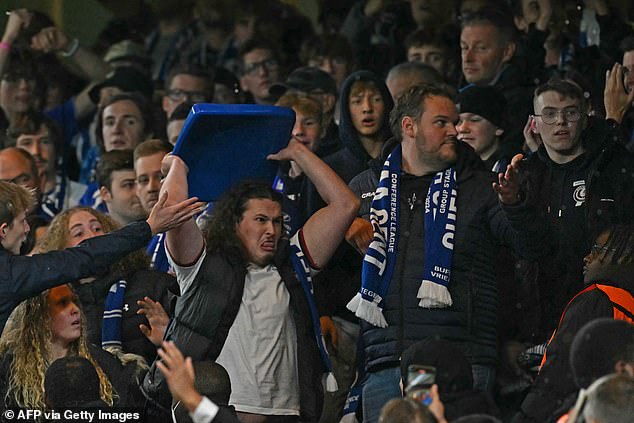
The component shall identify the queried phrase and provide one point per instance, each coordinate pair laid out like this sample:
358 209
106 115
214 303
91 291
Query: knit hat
487 102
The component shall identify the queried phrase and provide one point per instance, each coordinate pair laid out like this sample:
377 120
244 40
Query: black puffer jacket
481 227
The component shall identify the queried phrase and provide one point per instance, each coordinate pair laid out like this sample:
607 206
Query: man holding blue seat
246 297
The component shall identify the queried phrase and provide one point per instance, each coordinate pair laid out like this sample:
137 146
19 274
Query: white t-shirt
260 353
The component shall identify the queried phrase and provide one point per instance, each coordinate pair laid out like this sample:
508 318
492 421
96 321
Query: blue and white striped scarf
112 315
379 260
302 270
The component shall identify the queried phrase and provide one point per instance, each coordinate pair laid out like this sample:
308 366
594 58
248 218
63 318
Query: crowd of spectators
457 196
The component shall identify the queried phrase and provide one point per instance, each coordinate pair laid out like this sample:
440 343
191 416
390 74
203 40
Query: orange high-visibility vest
622 307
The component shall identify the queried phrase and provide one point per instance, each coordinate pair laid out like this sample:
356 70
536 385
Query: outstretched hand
508 187
615 97
179 374
163 218
156 317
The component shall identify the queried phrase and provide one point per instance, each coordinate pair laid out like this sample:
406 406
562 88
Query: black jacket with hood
352 159
339 280
481 228
577 201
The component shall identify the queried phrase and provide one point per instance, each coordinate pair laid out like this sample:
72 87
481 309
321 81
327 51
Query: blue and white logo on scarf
379 260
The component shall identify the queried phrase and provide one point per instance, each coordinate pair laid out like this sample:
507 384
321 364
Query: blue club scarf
379 260
112 315
302 270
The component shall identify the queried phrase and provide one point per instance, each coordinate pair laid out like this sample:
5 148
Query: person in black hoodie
581 180
363 129
363 126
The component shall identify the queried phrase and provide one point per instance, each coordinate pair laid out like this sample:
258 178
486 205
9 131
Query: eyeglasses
597 249
192 96
268 65
549 116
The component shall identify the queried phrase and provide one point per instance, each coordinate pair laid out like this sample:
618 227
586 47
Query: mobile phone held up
419 382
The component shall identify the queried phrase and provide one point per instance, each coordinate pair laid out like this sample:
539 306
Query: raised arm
18 19
53 39
184 243
325 229
78 58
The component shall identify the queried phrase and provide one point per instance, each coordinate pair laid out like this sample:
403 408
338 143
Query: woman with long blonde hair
42 329
128 284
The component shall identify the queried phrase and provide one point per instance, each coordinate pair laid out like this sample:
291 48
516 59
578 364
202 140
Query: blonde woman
41 330
129 285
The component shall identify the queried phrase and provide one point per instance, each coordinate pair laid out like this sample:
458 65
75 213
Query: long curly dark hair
220 231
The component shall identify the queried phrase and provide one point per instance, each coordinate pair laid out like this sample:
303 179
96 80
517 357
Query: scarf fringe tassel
433 295
331 383
367 310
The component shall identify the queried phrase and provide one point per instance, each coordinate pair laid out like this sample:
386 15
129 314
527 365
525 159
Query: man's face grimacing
562 137
148 179
483 53
260 229
435 133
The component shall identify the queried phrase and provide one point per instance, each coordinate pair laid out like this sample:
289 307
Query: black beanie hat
487 102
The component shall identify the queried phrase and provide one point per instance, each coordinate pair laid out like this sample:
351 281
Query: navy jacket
23 277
